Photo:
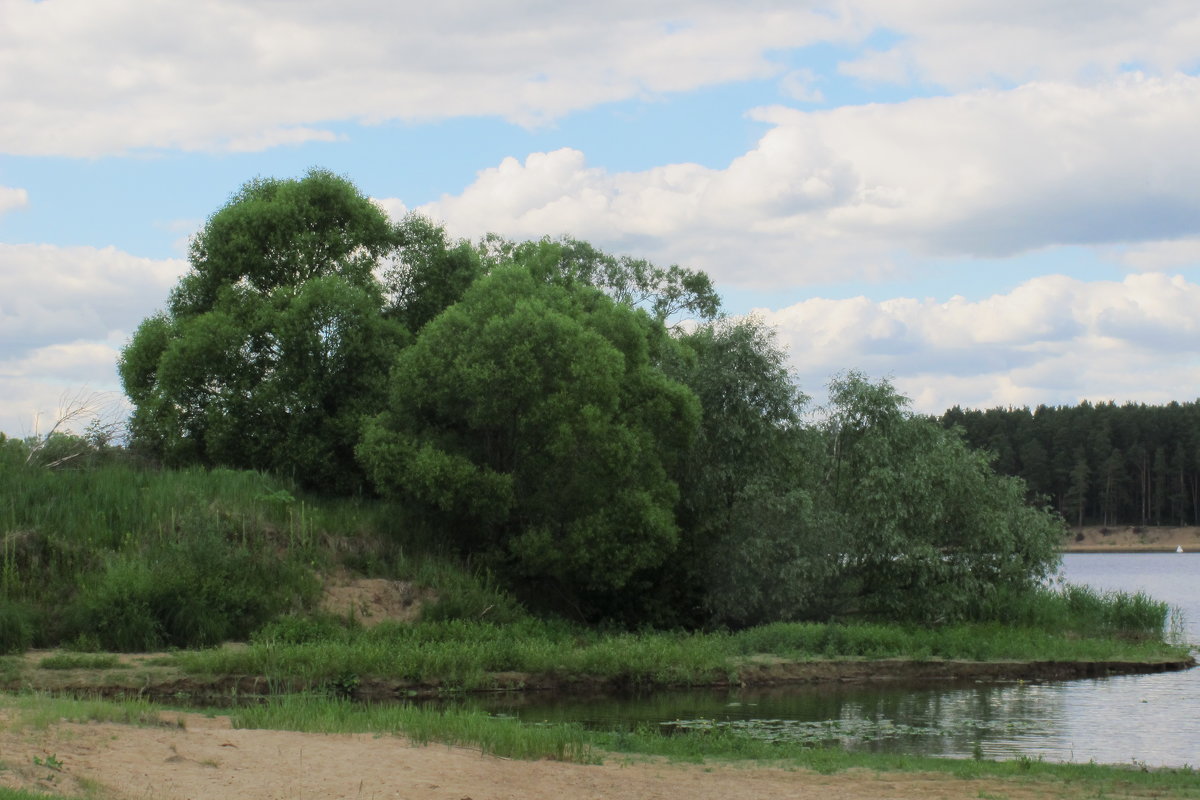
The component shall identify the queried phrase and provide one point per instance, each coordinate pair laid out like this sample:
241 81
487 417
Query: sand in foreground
209 759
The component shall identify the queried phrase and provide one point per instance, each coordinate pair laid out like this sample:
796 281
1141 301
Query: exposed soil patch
371 601
1133 539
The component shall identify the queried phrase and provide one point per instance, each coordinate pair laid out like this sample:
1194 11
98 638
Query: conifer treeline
1098 464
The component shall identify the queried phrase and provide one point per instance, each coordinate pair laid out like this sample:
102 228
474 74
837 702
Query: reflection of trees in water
952 722
1158 715
947 721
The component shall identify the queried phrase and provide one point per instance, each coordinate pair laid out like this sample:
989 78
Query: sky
988 202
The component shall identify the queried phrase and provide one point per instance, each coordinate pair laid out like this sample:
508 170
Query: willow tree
927 528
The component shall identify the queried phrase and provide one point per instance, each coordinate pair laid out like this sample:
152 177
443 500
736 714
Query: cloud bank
91 78
1052 340
987 173
82 78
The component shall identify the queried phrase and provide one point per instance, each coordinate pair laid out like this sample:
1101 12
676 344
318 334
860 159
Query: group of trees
1101 464
541 405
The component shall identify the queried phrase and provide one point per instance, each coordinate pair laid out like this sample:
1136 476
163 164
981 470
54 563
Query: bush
297 629
16 627
197 590
472 597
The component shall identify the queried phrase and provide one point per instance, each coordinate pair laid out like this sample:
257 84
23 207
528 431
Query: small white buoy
1179 548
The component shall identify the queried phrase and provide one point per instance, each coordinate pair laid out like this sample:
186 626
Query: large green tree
928 528
750 551
531 422
274 345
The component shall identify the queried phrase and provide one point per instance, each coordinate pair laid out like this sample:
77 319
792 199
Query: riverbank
162 676
1133 539
171 755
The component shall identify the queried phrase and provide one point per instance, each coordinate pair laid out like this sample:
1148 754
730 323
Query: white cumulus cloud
966 43
83 78
988 173
1158 255
1053 340
11 198
65 313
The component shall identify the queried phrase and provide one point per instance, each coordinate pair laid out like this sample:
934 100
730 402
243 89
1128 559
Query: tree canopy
274 344
531 420
587 425
1101 463
928 526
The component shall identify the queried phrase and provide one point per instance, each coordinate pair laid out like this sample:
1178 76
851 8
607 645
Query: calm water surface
1153 719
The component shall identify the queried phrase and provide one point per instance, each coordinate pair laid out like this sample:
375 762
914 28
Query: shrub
199 589
16 627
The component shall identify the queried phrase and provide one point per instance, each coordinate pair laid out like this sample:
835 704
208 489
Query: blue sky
992 203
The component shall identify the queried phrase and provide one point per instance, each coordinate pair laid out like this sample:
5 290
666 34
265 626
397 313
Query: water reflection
1148 718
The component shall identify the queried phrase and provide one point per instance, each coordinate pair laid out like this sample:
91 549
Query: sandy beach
206 759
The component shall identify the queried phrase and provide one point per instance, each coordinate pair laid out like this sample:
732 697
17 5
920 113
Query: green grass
125 558
466 655
117 557
81 661
724 745
1079 610
21 794
500 736
39 710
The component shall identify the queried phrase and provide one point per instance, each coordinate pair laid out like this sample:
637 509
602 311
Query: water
1151 719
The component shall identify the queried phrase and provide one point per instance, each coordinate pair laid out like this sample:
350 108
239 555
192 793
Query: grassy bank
470 655
125 558
116 557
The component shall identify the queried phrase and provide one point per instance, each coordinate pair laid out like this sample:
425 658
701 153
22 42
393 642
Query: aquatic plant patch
845 732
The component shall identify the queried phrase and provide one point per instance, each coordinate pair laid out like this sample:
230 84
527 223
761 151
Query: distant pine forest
1103 464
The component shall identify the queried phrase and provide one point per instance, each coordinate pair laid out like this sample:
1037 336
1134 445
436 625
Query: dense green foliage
662 293
550 411
929 528
529 417
753 548
275 343
124 558
1101 464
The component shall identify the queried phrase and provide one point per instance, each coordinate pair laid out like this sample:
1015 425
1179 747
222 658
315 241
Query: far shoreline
1127 549
1132 539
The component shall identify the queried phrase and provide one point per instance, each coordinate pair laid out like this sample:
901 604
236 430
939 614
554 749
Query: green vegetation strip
20 794
468 655
39 710
81 661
